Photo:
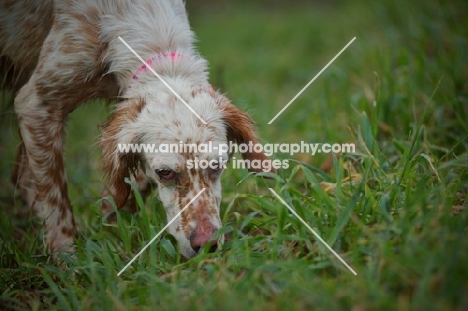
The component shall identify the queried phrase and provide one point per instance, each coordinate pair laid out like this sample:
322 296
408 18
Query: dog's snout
202 235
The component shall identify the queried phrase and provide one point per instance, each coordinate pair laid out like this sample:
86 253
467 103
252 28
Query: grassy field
395 211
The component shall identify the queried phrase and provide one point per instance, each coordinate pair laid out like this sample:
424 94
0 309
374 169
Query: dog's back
24 25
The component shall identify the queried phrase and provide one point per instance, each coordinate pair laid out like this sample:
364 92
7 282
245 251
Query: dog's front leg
42 130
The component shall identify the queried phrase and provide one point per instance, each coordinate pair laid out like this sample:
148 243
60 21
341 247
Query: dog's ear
118 164
240 129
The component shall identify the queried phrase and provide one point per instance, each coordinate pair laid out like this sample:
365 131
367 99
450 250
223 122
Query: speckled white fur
74 54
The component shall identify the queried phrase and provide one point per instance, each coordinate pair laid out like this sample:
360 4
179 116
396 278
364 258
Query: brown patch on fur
119 165
70 232
204 206
201 90
241 130
184 184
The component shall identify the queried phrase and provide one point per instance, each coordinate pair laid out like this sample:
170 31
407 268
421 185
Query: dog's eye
215 171
165 174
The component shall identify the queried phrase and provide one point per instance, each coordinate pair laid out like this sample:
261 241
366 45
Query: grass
396 210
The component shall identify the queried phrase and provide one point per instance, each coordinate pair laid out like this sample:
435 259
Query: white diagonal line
312 230
164 82
159 233
308 84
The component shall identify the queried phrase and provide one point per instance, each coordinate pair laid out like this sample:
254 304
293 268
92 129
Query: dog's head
179 169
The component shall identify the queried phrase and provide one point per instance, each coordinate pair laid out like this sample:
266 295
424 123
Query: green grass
396 210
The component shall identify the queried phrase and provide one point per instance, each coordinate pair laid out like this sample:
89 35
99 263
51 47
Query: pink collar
153 60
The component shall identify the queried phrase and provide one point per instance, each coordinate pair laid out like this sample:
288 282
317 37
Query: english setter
62 53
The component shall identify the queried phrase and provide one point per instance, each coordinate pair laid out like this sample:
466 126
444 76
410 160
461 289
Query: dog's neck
149 36
147 66
174 68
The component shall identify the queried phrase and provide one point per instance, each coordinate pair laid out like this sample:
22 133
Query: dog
59 54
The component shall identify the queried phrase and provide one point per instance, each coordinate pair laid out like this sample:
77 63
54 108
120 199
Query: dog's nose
201 236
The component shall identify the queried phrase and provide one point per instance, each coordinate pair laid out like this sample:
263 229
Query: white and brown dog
59 54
